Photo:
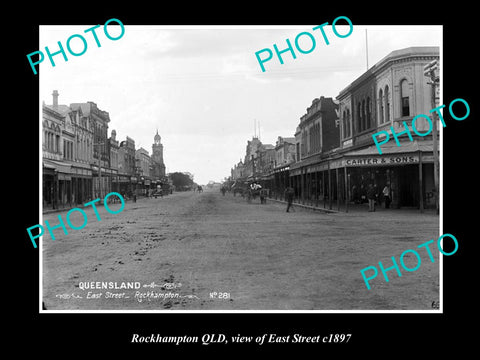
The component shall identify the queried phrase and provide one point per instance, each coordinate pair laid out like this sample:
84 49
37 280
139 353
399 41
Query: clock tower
157 157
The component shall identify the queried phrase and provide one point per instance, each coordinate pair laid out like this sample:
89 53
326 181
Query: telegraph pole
432 70
99 169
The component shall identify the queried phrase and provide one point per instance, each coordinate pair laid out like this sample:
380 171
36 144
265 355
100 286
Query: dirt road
191 251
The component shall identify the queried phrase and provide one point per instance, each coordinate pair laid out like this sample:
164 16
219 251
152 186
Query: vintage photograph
240 168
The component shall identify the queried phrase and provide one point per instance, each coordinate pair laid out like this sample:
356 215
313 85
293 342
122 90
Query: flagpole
366 46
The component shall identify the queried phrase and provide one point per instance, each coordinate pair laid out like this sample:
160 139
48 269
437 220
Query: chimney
55 99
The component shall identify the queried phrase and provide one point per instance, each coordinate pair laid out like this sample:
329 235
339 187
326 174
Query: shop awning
406 153
392 148
58 166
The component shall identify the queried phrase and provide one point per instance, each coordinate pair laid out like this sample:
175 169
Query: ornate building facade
102 174
80 162
391 92
67 155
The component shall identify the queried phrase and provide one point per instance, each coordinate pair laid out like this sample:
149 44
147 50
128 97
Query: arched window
369 114
319 142
405 97
387 104
348 123
359 117
380 109
309 142
344 123
364 117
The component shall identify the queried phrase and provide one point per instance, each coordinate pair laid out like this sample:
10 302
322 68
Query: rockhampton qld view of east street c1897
263 190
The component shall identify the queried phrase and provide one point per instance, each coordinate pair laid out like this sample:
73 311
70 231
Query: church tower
157 156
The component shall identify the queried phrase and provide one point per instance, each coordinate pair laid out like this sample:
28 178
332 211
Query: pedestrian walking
386 196
371 197
289 192
263 196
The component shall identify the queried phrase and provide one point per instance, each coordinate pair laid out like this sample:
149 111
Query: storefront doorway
408 186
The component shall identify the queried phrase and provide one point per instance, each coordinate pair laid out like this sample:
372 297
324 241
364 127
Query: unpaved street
214 252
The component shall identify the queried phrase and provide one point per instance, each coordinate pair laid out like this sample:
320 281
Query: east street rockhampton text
207 339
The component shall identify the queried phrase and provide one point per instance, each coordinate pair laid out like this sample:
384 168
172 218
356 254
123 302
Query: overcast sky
202 87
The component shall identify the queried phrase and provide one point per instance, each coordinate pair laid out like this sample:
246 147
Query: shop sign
382 161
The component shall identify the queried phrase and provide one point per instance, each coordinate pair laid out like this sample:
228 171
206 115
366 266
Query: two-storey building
389 94
316 136
67 154
126 166
102 174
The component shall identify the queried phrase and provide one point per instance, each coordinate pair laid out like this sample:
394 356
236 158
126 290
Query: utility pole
432 71
99 169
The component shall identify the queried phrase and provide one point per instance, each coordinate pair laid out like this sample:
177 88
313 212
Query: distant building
319 129
266 159
284 151
142 161
113 148
126 166
238 171
316 135
252 151
143 170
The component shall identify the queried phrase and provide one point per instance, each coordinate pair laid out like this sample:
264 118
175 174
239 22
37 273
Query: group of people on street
373 196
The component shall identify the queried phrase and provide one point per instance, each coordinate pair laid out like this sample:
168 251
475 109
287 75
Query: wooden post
309 187
275 184
346 189
280 178
338 188
316 188
56 191
323 188
303 186
295 187
329 187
